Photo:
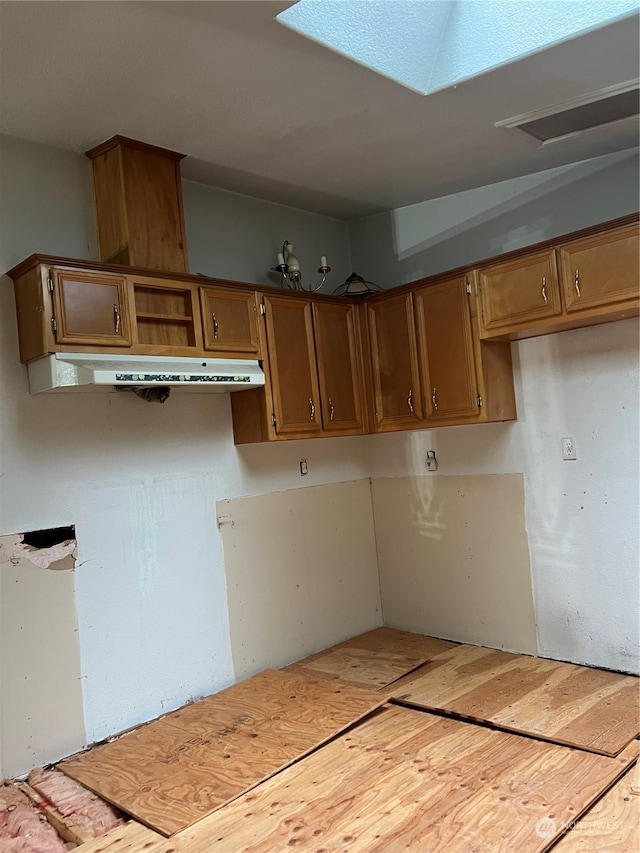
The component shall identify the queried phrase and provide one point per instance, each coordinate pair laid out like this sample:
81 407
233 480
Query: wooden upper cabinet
394 363
292 366
90 309
167 316
516 293
230 321
601 269
338 367
443 323
138 199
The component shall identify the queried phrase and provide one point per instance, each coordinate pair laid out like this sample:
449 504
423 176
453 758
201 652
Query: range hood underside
92 372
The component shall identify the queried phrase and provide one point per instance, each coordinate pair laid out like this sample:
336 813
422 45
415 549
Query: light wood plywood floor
374 659
612 825
399 778
405 780
181 767
575 705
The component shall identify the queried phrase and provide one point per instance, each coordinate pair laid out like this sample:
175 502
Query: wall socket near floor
304 468
431 462
569 448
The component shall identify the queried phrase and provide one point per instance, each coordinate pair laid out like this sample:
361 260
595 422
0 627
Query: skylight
428 45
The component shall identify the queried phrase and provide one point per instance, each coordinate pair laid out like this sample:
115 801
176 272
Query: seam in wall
375 539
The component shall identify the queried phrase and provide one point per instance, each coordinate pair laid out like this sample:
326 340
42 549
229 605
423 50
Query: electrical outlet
569 448
431 462
304 468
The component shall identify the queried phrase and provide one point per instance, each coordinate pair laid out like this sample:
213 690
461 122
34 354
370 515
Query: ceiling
260 109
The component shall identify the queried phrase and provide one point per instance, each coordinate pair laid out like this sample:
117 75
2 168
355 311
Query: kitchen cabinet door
517 293
230 321
90 308
339 369
600 270
394 364
443 322
292 367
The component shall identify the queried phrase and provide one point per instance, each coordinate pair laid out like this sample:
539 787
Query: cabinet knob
116 319
410 400
434 398
544 290
215 325
576 282
312 410
330 409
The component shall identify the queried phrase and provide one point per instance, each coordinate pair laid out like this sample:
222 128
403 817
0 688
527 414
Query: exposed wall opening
50 537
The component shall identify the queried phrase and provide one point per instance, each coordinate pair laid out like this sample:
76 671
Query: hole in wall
50 537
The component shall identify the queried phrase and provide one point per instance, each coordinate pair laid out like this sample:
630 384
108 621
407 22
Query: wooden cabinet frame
605 259
395 372
165 313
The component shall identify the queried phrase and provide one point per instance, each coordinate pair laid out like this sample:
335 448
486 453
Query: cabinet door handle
215 325
544 290
330 409
312 410
410 400
576 282
116 319
434 398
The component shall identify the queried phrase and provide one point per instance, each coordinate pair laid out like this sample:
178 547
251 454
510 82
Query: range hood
63 371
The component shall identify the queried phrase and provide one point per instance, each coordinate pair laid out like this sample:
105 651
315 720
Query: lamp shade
355 285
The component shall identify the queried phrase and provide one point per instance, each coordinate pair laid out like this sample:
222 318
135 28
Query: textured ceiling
259 109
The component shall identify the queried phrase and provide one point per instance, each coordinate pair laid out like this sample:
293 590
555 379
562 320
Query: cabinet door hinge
468 288
479 401
273 420
54 325
50 284
263 310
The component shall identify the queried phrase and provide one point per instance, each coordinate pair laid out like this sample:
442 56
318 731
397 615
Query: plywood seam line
487 724
601 794
601 812
588 708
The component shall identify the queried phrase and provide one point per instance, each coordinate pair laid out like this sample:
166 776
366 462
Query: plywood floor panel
406 780
579 706
612 825
130 838
178 769
374 659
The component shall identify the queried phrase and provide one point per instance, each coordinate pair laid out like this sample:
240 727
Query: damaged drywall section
54 548
41 705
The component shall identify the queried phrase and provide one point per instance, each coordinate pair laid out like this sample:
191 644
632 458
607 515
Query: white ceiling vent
604 108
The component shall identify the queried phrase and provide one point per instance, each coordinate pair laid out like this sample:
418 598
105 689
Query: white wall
440 234
140 481
233 236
